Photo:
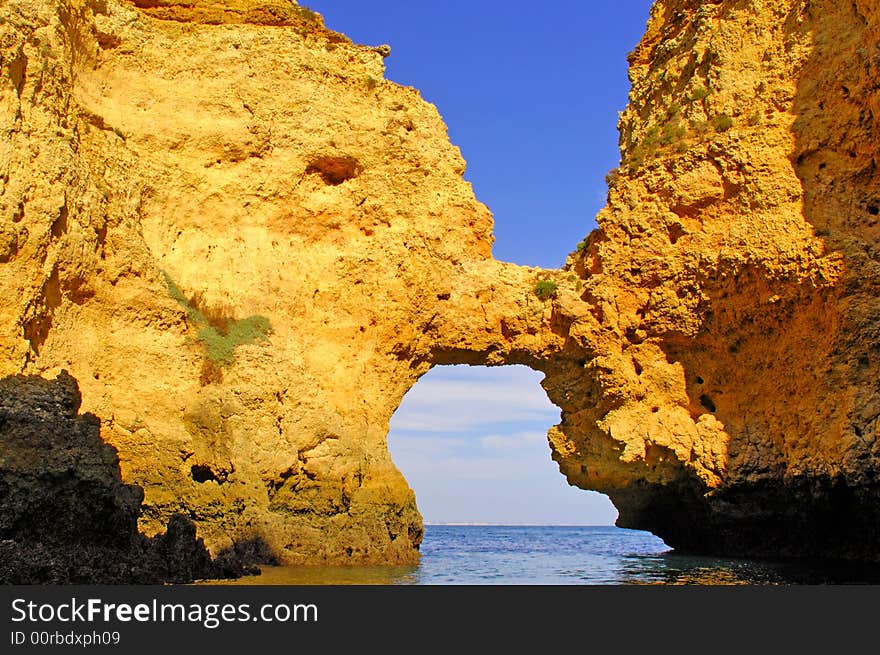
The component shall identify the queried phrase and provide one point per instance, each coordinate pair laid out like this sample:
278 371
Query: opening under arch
471 441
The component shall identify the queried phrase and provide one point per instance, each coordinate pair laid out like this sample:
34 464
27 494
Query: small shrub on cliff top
306 15
546 289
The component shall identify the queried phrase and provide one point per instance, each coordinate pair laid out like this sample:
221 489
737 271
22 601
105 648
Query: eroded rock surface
66 516
247 246
729 400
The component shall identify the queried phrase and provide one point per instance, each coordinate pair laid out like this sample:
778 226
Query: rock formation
243 243
246 246
66 516
729 399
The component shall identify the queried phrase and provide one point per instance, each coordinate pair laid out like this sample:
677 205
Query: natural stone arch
725 247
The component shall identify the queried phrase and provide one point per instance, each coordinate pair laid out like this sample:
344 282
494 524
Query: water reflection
664 569
328 575
542 555
673 568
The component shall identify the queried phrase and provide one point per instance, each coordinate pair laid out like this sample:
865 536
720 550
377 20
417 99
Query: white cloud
427 445
511 442
471 442
465 398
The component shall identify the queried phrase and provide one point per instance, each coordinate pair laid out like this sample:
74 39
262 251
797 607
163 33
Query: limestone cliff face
247 246
729 398
65 515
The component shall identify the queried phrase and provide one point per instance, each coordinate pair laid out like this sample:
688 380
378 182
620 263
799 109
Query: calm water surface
594 555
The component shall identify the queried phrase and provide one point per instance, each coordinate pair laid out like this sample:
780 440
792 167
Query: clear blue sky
530 93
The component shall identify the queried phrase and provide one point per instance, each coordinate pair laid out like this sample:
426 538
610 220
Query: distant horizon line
519 525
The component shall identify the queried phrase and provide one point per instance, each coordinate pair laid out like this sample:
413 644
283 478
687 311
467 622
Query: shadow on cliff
66 517
836 157
788 364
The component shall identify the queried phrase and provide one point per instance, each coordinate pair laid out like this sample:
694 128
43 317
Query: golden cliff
729 398
246 246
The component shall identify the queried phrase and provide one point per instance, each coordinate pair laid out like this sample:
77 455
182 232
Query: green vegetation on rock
545 289
722 122
219 333
700 93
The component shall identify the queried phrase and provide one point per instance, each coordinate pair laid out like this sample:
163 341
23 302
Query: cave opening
472 443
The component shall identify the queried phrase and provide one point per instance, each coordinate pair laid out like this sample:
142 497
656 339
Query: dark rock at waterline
806 516
66 516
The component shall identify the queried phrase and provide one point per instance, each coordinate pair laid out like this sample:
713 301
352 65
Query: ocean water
563 555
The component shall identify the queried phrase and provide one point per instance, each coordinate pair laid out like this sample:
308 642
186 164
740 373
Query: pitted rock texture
729 399
65 514
247 246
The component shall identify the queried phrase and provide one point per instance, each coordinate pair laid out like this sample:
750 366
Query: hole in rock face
873 210
201 473
707 403
472 443
334 170
676 231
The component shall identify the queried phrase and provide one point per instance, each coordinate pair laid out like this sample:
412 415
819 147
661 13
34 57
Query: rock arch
674 339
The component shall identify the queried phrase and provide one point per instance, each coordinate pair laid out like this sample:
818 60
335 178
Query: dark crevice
18 72
201 473
707 403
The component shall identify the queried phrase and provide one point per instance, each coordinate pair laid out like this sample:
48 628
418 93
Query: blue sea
564 555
